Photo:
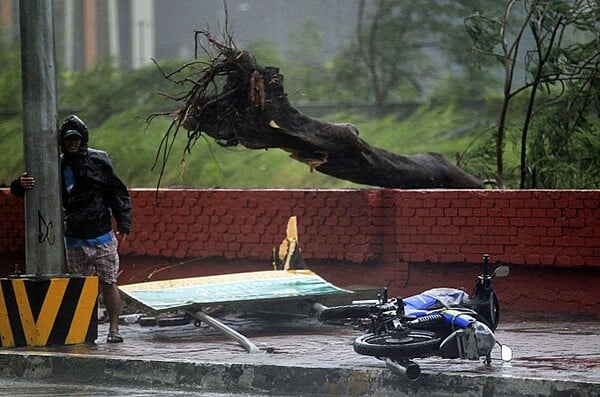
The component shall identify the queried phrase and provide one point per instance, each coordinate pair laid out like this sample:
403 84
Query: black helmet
70 125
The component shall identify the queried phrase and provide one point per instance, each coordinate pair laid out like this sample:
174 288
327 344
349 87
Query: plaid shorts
101 260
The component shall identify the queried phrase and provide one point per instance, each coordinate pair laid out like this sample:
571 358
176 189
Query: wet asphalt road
553 347
27 388
550 348
24 388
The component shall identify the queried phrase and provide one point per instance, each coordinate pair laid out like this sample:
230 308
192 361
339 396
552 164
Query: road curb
274 379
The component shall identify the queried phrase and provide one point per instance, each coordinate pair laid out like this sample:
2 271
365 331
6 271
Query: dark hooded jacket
96 193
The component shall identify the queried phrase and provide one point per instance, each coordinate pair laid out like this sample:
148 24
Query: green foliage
104 90
570 162
476 87
555 45
307 79
11 147
265 53
351 84
565 143
10 77
305 43
404 46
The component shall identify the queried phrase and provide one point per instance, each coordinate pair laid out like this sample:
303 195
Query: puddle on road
557 331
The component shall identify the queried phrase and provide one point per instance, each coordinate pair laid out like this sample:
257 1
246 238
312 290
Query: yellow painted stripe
5 330
84 311
27 322
49 310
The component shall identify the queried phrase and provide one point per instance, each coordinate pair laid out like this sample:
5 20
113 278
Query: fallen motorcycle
444 322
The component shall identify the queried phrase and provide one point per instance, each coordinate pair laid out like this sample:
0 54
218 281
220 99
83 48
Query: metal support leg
404 367
241 339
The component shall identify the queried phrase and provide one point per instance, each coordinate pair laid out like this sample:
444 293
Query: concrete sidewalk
301 356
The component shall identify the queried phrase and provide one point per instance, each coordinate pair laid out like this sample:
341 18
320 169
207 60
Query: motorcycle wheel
399 345
342 312
494 312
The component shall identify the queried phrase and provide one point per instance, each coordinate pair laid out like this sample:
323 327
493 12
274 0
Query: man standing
91 193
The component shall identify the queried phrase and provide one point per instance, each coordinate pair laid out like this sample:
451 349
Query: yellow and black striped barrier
41 311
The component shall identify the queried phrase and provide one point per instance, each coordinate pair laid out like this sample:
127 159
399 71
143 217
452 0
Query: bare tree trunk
250 108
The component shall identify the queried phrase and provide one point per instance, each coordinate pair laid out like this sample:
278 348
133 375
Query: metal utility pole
44 252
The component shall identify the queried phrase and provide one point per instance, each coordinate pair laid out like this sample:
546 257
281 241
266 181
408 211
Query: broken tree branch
237 102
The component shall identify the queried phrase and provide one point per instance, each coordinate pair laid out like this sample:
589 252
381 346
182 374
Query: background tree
402 47
560 65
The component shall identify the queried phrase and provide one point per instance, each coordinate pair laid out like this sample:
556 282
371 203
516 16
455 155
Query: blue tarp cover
230 288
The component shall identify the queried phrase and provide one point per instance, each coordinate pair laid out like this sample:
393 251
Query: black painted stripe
59 311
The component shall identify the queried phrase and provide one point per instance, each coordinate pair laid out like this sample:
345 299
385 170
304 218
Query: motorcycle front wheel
399 345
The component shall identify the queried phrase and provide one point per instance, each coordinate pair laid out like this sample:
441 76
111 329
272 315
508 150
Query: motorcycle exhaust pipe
406 368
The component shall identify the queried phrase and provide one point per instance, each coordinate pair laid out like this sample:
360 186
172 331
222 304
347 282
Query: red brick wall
409 240
12 223
553 228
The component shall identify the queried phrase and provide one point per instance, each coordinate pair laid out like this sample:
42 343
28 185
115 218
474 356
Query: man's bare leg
112 301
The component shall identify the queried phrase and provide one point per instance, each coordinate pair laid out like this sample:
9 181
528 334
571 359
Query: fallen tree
237 102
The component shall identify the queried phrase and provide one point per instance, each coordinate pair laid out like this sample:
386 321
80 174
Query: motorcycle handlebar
384 307
486 265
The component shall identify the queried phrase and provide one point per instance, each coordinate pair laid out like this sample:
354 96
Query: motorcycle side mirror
501 271
506 353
